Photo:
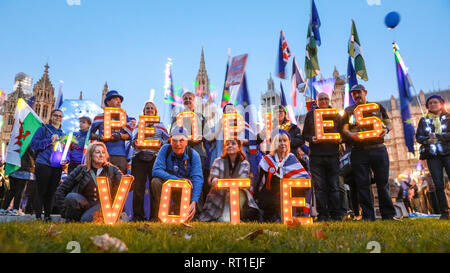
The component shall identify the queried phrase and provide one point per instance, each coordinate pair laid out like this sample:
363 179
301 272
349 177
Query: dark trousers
433 203
120 162
325 175
349 179
72 166
269 201
47 179
15 192
363 162
78 209
141 170
436 165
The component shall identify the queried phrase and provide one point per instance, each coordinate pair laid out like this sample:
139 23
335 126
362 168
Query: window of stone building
10 120
38 109
44 112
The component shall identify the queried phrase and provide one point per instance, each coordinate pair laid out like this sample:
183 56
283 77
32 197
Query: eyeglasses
58 116
327 99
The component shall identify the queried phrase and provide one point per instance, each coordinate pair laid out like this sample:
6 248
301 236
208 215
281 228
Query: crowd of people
342 172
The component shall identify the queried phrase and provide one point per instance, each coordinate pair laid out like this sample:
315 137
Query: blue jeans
325 175
436 165
78 209
363 162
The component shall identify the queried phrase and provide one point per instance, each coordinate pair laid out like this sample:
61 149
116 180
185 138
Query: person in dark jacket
324 164
77 197
433 133
76 148
19 179
281 121
47 177
143 161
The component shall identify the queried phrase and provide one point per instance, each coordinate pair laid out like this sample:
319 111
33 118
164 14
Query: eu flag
405 98
351 80
315 23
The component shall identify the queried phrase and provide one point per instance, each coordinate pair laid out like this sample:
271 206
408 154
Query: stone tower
337 98
202 80
105 90
43 92
9 109
270 98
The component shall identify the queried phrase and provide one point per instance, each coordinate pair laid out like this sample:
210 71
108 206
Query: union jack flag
284 52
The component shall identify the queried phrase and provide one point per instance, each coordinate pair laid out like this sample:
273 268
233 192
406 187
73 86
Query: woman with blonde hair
278 164
143 161
77 196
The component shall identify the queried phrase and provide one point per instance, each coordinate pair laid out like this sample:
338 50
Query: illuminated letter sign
111 212
234 185
145 131
369 122
193 117
165 201
110 124
321 124
288 201
231 131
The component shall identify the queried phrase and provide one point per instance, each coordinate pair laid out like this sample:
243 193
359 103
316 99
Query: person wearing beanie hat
176 161
324 164
117 146
369 155
433 133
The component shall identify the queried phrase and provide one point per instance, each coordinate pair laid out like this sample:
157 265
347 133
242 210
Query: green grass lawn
408 235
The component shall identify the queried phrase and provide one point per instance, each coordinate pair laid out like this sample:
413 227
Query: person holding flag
47 176
433 133
77 146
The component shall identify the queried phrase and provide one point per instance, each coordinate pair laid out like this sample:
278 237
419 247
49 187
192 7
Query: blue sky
127 43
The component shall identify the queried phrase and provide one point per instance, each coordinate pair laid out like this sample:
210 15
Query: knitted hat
111 94
440 98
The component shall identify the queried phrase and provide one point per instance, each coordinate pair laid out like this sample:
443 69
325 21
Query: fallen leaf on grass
271 233
319 234
186 225
251 236
293 223
51 232
105 243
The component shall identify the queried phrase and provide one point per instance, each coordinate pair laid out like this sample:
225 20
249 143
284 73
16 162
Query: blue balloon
392 19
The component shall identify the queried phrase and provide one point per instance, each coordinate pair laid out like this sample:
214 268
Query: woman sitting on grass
230 165
77 197
276 165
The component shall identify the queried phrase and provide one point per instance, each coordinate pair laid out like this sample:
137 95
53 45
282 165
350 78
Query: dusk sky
127 43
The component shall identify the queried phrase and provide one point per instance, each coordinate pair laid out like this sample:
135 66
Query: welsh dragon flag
26 122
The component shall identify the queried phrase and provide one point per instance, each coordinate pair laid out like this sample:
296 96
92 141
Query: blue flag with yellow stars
405 98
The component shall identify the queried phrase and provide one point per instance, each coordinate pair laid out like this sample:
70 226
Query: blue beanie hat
440 98
111 94
280 131
225 107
